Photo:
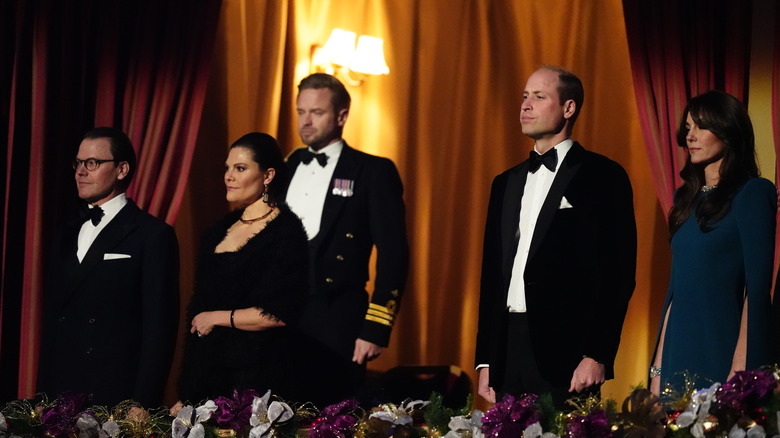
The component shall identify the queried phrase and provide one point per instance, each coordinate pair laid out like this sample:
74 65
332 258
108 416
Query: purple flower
510 416
235 412
335 421
61 418
593 425
746 389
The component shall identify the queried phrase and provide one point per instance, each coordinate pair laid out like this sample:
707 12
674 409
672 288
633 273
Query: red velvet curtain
66 67
678 50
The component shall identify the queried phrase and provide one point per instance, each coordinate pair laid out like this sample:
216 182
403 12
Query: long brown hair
726 117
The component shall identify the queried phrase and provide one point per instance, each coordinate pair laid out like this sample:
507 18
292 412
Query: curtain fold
66 67
679 50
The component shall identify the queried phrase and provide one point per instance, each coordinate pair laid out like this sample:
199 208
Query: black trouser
522 373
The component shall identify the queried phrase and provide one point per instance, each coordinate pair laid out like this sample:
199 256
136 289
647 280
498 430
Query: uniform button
340 258
61 319
350 235
91 320
328 280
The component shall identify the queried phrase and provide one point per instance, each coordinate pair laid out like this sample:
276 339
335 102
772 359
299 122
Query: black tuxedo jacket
373 214
580 272
110 322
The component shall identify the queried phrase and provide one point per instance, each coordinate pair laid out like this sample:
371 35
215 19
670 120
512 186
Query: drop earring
265 194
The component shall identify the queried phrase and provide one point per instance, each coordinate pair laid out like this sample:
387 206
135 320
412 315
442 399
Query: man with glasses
111 293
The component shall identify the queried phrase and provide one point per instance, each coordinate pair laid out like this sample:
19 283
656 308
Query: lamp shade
340 47
369 56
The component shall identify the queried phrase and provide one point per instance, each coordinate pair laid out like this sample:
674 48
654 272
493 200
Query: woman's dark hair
268 155
726 117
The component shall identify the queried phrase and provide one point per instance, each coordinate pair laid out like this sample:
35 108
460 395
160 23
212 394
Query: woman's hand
204 323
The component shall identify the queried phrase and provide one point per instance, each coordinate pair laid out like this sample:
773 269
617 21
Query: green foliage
437 416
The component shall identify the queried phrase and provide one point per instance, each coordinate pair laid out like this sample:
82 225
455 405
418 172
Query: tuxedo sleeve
387 223
616 265
160 306
491 279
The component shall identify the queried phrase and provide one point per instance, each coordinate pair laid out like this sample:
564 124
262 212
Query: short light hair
341 99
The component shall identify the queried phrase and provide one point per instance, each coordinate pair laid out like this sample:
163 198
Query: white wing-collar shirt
309 188
537 186
88 232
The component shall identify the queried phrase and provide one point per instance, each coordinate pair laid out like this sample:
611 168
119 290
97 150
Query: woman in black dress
251 279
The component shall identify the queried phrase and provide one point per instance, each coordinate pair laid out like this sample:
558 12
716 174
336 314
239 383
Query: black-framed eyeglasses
90 163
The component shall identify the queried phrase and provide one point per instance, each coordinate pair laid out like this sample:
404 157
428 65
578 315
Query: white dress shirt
309 188
88 232
537 186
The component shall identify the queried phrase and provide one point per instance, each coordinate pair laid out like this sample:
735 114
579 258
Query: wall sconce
339 55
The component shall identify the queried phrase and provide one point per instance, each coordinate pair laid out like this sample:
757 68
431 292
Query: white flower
88 426
698 410
264 416
191 419
464 427
399 414
756 431
410 405
535 431
111 429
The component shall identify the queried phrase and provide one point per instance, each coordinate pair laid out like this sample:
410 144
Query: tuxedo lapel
346 168
119 227
570 166
68 260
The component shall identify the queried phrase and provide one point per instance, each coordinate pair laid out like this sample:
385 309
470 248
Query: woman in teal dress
715 318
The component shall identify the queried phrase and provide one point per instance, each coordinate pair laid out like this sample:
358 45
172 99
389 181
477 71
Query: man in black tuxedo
559 257
111 294
349 202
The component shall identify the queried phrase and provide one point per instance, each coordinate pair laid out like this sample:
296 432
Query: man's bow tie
307 156
95 214
549 159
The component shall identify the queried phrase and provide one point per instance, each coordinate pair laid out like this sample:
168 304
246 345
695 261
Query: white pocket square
565 203
112 256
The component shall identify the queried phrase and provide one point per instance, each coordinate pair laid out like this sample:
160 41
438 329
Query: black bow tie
307 156
95 214
549 159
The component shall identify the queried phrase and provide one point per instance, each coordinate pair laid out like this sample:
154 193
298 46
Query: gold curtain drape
448 116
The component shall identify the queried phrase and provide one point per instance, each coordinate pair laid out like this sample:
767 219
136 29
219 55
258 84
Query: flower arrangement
748 405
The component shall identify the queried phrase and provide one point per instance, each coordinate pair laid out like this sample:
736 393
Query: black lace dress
269 272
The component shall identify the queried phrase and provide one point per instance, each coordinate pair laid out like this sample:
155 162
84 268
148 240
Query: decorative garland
748 405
